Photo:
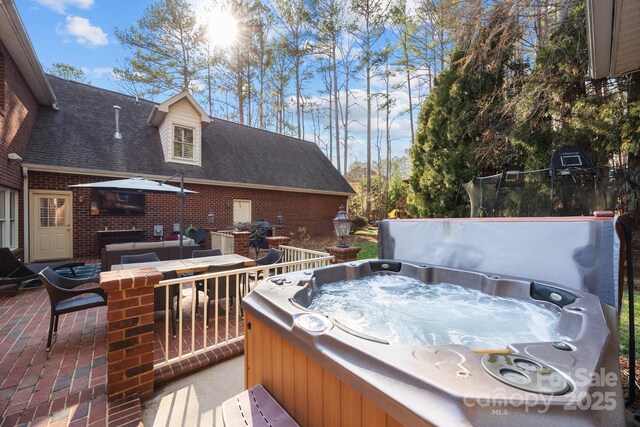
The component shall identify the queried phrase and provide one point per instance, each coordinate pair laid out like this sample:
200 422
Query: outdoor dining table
188 265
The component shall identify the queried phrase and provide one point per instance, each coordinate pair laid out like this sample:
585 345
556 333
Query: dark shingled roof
80 135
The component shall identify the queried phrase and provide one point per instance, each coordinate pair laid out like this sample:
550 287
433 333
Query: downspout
25 213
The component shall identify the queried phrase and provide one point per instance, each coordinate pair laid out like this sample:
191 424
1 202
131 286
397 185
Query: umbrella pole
181 210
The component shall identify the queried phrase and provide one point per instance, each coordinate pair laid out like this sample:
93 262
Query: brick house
63 133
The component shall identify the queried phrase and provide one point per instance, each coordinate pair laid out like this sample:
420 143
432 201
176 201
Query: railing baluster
193 314
294 259
166 326
216 311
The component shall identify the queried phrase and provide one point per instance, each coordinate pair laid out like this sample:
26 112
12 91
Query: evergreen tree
295 21
167 46
442 155
462 130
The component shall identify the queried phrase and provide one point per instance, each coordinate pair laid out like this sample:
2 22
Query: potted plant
105 225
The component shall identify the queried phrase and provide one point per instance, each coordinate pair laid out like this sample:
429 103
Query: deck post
130 331
350 253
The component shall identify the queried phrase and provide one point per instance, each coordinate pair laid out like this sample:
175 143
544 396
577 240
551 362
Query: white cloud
61 6
97 72
83 32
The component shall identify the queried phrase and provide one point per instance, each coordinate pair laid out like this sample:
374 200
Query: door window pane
52 212
59 212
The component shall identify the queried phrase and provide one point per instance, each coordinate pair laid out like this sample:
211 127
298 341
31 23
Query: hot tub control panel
525 374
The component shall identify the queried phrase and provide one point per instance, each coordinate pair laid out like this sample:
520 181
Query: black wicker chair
160 299
134 259
65 299
210 289
159 296
15 272
201 253
274 256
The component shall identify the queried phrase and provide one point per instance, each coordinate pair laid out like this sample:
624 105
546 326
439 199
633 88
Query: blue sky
81 33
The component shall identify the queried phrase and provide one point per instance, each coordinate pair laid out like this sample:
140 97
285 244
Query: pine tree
167 46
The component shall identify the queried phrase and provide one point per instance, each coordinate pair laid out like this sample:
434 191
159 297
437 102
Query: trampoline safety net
550 192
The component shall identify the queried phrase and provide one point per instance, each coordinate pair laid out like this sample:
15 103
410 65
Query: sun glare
223 29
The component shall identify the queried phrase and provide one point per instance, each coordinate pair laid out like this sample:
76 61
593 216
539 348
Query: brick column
276 241
130 331
350 253
207 238
241 243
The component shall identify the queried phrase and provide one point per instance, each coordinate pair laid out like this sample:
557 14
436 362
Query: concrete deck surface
196 399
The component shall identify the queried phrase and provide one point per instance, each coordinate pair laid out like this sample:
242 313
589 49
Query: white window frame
9 221
183 143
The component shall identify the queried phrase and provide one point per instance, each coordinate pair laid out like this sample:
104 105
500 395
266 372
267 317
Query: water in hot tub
404 310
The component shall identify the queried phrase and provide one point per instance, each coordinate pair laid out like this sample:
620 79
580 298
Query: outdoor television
116 202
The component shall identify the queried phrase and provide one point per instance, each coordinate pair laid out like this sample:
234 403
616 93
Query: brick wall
17 116
312 211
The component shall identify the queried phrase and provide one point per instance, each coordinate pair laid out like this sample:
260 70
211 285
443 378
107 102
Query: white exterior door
51 236
241 211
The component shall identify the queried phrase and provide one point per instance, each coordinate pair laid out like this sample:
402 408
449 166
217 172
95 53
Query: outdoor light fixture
14 156
342 226
211 217
279 219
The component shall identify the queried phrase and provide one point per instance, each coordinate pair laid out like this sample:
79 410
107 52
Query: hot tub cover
577 252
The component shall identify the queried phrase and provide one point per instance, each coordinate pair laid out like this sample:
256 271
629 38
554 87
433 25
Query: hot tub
325 373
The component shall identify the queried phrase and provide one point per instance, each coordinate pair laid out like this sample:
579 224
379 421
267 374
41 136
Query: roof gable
159 112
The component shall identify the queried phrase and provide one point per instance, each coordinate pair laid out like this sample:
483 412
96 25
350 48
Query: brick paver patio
67 386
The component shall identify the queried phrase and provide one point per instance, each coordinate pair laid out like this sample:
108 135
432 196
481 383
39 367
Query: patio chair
159 296
274 256
160 299
15 272
134 259
201 253
210 290
65 299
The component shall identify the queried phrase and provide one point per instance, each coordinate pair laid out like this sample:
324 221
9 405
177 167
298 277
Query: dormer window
182 143
179 121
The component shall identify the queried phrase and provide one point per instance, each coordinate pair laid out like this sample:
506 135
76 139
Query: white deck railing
222 239
226 323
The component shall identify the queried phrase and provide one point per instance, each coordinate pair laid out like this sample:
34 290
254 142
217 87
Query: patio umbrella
143 185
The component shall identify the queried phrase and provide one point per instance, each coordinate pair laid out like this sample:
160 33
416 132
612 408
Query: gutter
25 213
43 91
111 174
